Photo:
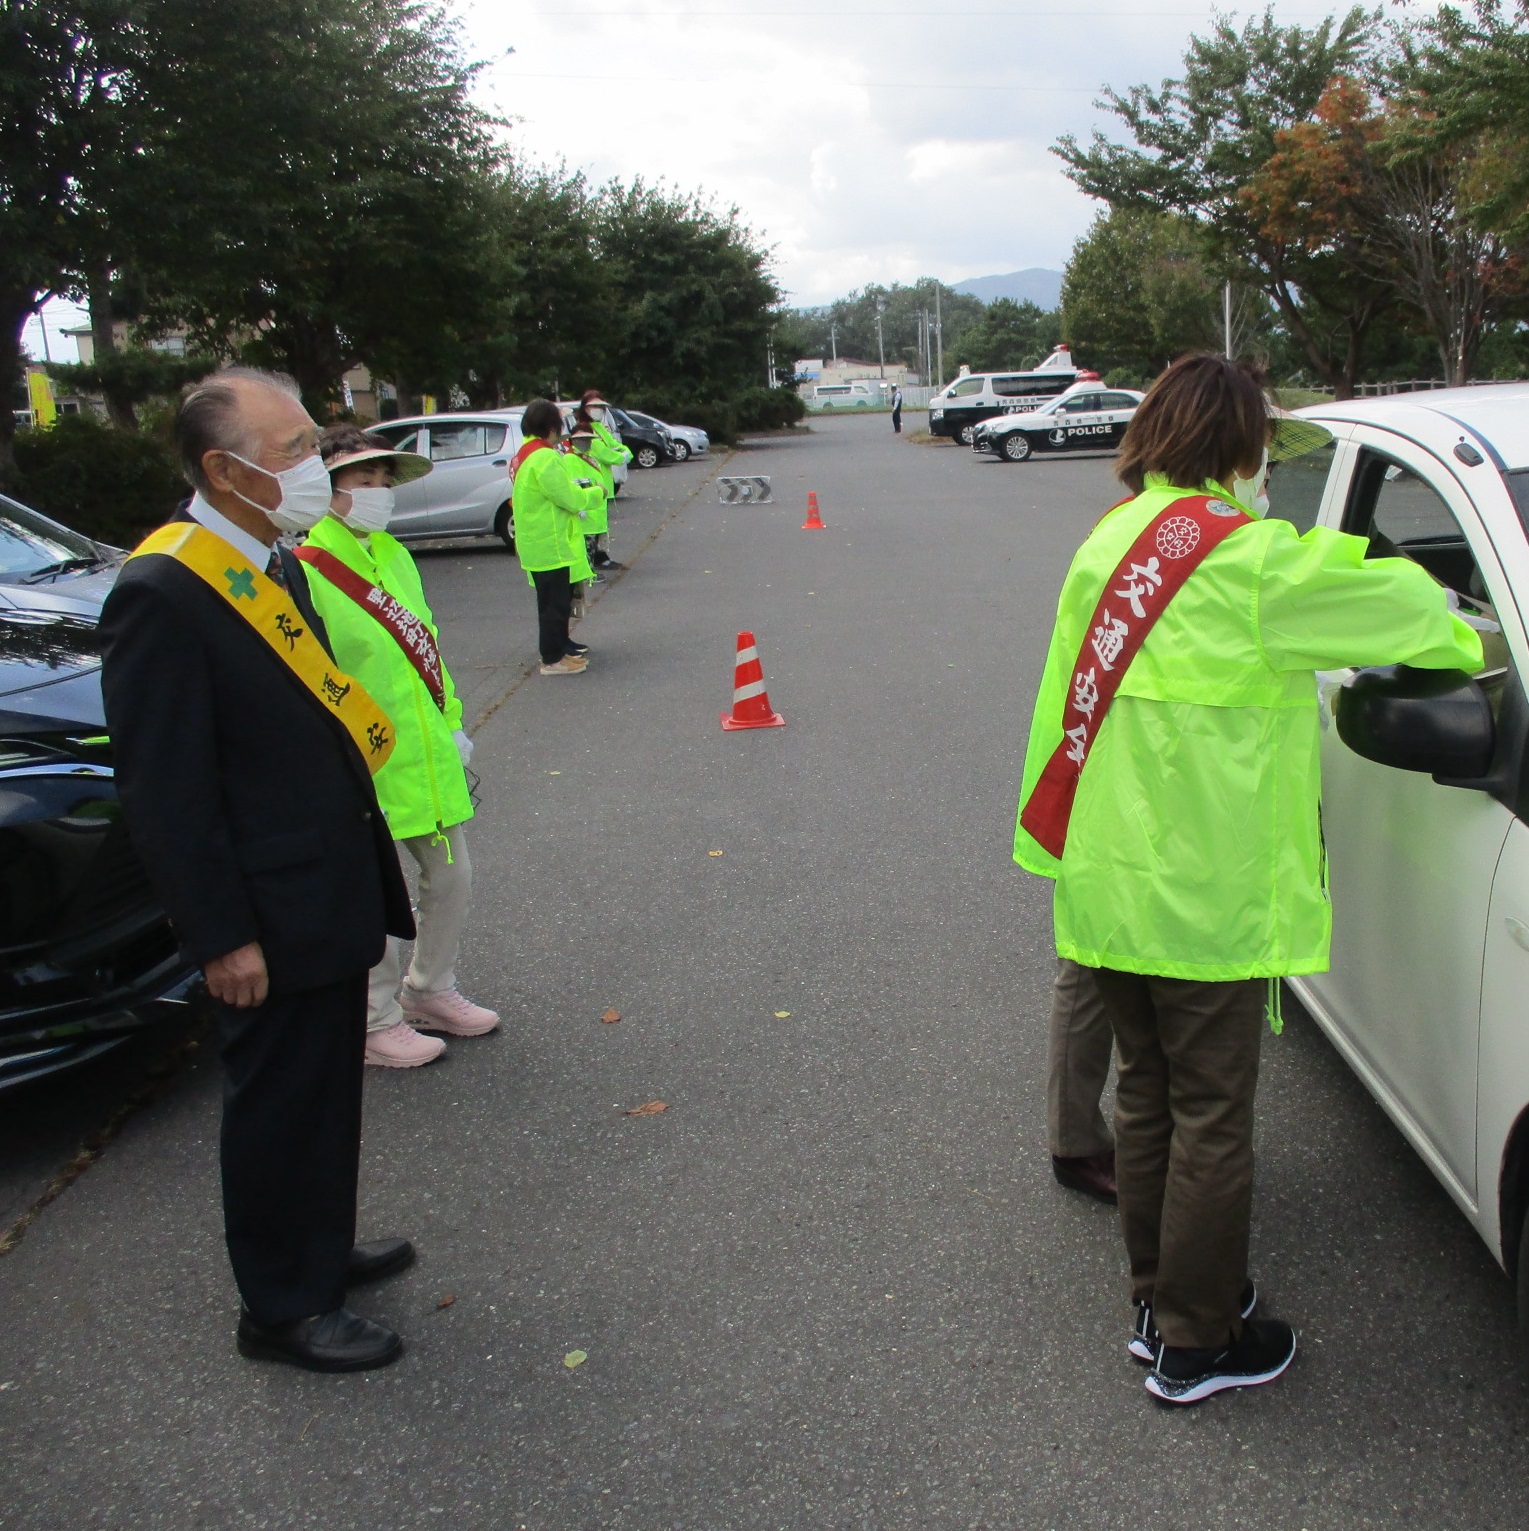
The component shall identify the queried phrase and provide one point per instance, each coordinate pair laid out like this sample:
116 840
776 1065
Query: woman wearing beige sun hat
367 590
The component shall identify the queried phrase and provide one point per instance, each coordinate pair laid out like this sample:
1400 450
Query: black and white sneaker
1265 1349
1144 1337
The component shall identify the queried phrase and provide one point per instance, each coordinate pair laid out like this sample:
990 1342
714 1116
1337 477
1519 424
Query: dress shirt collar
235 536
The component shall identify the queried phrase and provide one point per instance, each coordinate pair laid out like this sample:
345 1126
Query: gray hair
208 419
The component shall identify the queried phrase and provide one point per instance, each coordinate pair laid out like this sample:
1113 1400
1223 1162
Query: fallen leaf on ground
554 773
652 1108
611 1017
782 1015
574 1358
447 1300
714 853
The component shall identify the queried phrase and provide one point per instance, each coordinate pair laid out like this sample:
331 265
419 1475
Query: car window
1119 401
493 437
30 543
1081 402
456 438
1402 515
404 437
967 386
1296 486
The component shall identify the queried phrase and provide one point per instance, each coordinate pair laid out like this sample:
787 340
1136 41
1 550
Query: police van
978 396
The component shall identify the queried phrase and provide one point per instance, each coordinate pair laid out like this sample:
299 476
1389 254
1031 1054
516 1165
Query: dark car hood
50 672
70 595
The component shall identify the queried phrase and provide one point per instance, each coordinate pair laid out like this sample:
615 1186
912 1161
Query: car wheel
504 525
646 457
964 435
1016 446
681 451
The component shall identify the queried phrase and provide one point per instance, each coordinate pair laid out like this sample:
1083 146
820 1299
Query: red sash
1171 547
531 446
406 629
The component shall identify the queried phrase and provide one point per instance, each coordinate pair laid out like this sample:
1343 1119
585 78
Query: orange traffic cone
814 522
751 703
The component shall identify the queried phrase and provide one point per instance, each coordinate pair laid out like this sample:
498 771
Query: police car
1087 418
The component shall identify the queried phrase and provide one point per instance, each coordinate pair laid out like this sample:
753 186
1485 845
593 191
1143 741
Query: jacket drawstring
1275 1007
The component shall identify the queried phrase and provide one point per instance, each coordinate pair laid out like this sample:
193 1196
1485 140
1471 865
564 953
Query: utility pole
833 338
1226 317
881 350
939 336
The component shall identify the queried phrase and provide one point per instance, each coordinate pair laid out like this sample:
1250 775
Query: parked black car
87 955
650 445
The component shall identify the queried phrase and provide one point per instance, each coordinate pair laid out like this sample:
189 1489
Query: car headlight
937 414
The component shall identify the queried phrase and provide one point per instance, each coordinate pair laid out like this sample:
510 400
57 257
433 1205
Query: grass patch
1296 398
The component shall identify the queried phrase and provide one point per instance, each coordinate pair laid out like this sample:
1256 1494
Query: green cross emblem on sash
240 582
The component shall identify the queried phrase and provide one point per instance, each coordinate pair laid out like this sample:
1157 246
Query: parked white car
1425 809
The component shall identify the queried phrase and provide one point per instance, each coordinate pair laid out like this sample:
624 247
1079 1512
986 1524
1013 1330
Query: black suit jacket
244 795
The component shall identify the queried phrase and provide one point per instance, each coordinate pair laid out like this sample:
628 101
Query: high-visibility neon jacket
422 788
548 531
605 453
1194 848
587 467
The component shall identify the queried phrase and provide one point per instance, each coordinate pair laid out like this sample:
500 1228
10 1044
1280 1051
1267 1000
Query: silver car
467 493
689 440
1425 795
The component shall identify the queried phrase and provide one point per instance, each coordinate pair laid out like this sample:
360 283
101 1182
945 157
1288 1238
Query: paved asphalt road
834 1284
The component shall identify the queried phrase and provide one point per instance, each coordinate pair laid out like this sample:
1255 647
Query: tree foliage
1008 335
1138 291
848 325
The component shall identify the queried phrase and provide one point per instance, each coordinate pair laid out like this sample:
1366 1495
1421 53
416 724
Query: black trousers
292 1071
897 419
554 598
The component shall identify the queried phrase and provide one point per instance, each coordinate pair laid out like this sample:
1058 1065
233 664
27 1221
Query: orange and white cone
814 522
751 702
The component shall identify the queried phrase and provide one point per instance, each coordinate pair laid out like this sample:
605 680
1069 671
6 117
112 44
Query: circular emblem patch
1178 537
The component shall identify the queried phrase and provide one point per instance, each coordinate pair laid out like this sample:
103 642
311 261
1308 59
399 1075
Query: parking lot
833 1284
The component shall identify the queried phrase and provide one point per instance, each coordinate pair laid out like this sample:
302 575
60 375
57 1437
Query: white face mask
596 411
1253 491
305 494
370 509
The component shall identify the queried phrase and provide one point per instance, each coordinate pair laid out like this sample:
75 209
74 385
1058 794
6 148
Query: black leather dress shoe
341 1341
1093 1174
382 1257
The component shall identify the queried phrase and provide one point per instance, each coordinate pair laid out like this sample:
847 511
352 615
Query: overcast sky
864 142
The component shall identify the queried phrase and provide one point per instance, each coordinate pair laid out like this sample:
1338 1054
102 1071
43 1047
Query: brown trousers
1078 1065
1187 1059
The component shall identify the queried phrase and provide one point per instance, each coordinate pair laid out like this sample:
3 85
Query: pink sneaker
448 1012
402 1047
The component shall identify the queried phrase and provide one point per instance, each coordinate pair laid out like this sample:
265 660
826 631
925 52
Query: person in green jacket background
1190 876
553 499
367 591
605 453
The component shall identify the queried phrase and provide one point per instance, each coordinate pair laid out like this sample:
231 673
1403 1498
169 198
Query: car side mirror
1437 721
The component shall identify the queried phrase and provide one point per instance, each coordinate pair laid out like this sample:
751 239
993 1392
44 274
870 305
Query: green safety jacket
605 453
548 531
1194 849
422 788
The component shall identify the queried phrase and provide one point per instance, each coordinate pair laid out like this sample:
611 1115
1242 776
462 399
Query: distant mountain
1037 285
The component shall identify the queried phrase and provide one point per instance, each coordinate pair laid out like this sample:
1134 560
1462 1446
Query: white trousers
440 913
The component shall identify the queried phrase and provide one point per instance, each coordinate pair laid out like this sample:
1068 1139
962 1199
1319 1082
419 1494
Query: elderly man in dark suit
247 792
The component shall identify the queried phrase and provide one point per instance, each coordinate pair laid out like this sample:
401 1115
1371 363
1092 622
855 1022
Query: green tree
1137 292
1198 140
689 301
1008 335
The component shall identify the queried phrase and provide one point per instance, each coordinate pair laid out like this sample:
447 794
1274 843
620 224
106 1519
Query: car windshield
32 546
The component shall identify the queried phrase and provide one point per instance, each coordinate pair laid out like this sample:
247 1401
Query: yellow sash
273 614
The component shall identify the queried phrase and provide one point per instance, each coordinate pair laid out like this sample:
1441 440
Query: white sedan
1425 809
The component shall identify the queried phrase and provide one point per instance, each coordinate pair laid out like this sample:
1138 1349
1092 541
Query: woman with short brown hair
1170 788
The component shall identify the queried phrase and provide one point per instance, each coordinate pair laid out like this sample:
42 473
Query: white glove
464 745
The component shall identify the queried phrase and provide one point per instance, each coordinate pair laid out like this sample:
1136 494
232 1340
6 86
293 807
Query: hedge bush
755 409
111 485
